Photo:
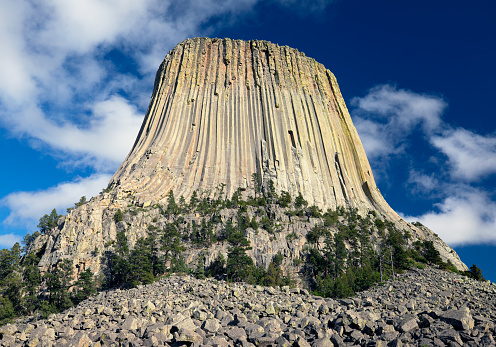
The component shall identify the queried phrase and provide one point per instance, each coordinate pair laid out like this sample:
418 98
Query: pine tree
48 222
28 240
172 247
218 267
58 284
284 199
476 273
31 281
118 217
300 201
200 267
430 253
6 310
120 261
239 264
257 184
140 263
193 200
85 286
340 255
172 207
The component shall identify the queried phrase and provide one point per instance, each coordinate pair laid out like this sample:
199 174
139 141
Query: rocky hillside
228 115
87 234
420 308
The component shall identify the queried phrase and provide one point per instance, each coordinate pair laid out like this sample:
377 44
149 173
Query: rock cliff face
222 110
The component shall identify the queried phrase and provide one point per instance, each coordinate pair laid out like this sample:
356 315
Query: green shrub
118 216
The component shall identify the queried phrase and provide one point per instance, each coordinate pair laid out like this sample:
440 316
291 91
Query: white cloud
470 155
54 68
106 139
27 207
8 240
386 116
467 216
63 90
423 183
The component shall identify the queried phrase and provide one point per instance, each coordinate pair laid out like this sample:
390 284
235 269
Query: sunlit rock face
222 110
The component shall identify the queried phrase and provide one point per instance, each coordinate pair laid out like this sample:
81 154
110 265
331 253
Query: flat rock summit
221 112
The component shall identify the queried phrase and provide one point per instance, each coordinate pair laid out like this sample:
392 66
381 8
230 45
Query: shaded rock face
222 110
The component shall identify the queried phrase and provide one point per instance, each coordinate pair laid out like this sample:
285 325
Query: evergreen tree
476 273
200 267
31 281
193 200
239 264
158 264
120 263
430 253
9 261
274 275
140 263
257 184
58 284
48 222
85 286
81 202
218 267
271 192
118 217
172 207
398 256
340 255
172 247
6 310
28 240
236 198
300 201
284 199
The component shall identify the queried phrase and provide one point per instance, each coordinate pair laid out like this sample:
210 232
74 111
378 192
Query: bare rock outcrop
222 110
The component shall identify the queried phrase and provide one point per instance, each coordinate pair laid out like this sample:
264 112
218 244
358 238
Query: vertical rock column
222 110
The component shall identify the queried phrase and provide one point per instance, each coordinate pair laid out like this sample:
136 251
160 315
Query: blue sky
418 78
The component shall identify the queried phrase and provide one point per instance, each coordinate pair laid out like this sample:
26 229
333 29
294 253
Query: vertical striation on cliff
224 109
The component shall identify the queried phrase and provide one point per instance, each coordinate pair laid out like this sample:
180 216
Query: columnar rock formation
222 110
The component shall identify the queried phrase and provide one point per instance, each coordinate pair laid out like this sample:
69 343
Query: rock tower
221 111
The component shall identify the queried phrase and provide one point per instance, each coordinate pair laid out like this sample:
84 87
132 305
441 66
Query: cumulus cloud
8 240
422 182
387 118
471 156
102 143
27 207
387 115
467 216
56 70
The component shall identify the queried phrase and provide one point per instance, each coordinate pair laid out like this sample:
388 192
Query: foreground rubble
420 308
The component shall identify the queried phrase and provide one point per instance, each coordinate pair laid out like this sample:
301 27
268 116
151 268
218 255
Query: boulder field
422 307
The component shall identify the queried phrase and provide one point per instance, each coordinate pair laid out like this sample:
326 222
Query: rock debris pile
420 308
